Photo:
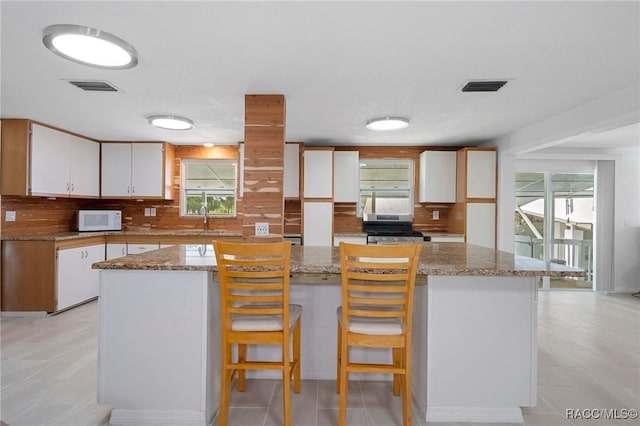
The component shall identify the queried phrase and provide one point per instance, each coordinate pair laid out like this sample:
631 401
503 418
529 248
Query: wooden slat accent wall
292 216
263 200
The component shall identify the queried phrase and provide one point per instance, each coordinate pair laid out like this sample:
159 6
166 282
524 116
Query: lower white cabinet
317 224
116 250
133 248
447 239
76 280
350 240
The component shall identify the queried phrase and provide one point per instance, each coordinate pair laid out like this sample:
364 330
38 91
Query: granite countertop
435 259
65 236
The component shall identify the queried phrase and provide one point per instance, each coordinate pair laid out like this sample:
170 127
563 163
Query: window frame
183 189
411 182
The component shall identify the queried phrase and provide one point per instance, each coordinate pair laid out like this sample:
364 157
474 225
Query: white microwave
99 220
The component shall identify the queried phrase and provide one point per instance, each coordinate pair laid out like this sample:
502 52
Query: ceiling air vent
483 86
94 86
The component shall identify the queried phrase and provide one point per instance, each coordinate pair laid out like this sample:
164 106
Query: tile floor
589 357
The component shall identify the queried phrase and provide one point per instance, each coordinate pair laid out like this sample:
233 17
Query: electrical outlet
10 216
436 215
147 211
262 229
153 211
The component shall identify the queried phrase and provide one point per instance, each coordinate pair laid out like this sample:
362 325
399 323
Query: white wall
538 141
627 220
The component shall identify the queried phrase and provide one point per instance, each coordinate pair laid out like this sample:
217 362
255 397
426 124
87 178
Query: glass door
554 221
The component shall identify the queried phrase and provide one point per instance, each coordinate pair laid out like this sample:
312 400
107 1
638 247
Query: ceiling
338 65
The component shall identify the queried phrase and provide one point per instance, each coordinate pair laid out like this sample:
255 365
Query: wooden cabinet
474 213
137 170
292 170
437 181
346 176
41 161
48 276
318 173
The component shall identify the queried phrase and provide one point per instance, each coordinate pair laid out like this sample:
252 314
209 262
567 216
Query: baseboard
155 417
12 314
620 290
475 414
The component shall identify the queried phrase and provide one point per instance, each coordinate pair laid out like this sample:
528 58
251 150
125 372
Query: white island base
474 348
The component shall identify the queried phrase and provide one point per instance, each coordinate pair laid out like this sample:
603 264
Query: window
386 187
210 183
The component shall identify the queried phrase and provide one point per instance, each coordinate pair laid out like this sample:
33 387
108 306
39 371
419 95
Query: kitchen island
474 350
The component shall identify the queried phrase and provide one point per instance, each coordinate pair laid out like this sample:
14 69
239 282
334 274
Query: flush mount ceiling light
89 46
208 144
387 123
170 122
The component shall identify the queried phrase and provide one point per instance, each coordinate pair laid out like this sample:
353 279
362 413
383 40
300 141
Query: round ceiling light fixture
170 122
387 123
89 46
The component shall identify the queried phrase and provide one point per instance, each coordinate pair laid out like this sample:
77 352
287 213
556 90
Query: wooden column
263 200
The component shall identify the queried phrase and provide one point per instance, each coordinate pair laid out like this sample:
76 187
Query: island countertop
435 259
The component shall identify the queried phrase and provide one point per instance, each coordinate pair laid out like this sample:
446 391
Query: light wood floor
589 357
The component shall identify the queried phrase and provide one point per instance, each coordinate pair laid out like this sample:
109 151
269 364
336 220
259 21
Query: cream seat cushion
242 322
373 326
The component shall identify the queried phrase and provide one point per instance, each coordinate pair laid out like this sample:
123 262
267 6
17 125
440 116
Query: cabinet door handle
72 187
82 254
128 190
67 186
133 189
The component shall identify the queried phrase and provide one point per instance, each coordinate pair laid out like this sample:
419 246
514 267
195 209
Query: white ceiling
337 63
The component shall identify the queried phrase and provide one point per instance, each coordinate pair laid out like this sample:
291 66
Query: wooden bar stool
254 298
376 312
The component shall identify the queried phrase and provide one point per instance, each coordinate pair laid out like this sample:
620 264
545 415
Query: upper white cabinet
480 173
437 182
136 170
318 173
38 160
292 170
346 176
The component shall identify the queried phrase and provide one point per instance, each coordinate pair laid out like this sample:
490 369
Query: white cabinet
63 164
133 248
481 224
317 223
481 174
318 173
346 176
350 239
292 170
447 239
437 183
116 250
135 170
76 281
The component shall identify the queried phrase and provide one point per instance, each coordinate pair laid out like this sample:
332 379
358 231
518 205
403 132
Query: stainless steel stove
390 229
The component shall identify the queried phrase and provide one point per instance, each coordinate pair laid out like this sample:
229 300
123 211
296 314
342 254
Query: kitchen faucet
204 211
